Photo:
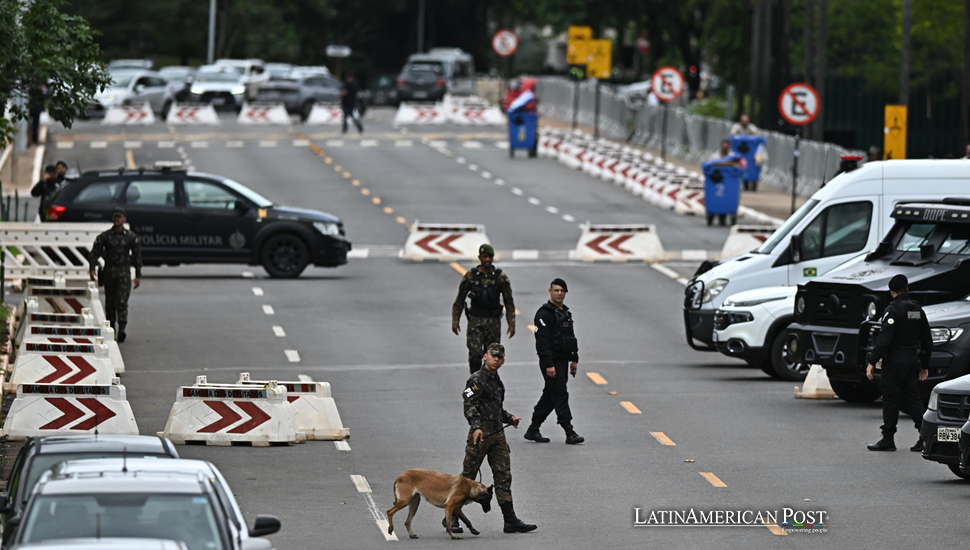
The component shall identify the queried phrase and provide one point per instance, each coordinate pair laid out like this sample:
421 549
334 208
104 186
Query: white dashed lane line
248 275
292 355
486 175
499 181
65 145
473 167
516 191
132 145
234 144
99 144
301 143
568 218
552 210
670 273
460 160
257 291
200 144
267 143
342 445
379 518
279 332
166 144
403 143
534 201
268 310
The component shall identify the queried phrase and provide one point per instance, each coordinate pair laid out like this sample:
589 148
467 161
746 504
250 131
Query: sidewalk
776 204
18 173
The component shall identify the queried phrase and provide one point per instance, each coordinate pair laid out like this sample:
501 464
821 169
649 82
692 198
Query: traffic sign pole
663 134
596 112
794 170
575 103
799 105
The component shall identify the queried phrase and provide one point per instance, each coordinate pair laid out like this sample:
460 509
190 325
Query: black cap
119 210
50 169
898 283
560 282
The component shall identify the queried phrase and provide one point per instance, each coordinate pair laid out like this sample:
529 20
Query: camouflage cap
497 350
119 210
486 250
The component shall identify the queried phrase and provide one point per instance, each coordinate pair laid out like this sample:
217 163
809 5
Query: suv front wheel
284 256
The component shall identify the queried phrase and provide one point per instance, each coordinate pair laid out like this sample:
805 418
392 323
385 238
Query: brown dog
446 491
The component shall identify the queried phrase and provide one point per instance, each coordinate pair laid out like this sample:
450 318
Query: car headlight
942 335
724 319
237 90
933 398
712 290
749 303
197 90
800 305
326 228
871 310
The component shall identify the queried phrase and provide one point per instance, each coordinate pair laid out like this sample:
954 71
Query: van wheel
855 393
284 256
956 471
783 366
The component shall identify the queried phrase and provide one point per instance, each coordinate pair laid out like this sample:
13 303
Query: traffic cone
816 385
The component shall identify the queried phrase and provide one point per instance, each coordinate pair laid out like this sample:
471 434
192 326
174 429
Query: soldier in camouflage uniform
483 395
485 284
120 249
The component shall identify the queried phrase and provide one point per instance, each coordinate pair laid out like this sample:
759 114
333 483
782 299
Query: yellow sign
599 59
894 140
576 46
262 213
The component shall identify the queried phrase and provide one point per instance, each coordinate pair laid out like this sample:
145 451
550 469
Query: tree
905 50
43 46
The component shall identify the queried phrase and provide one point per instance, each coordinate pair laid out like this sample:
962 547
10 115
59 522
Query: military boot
918 447
884 444
573 438
512 523
532 434
121 331
455 526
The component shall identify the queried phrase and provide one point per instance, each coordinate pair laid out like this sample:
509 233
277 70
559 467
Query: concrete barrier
53 334
325 114
59 409
477 115
66 300
129 115
409 113
192 113
619 243
444 242
33 316
690 201
742 239
61 363
312 406
263 113
224 415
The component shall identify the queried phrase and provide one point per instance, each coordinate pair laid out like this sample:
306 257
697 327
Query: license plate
947 435
419 95
218 101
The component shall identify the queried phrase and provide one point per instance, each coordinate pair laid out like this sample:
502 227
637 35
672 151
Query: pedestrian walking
486 285
557 348
744 127
121 249
905 332
484 396
44 190
348 101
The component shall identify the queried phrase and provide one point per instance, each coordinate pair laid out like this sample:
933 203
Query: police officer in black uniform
557 348
904 331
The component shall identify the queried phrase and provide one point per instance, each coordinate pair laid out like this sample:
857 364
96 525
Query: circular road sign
505 42
799 104
667 83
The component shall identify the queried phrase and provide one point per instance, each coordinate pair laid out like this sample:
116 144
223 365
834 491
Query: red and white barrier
263 114
192 113
32 316
57 409
52 334
67 300
690 201
742 239
223 415
49 363
477 116
444 242
619 243
325 114
129 115
312 407
408 113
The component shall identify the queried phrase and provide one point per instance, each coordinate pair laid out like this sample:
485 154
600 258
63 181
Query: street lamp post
211 53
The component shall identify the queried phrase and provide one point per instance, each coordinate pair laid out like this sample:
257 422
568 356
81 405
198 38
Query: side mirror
795 248
265 525
12 523
241 206
139 88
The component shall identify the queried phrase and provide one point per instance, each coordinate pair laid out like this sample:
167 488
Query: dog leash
496 432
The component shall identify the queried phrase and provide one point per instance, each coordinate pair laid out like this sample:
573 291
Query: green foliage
709 106
42 46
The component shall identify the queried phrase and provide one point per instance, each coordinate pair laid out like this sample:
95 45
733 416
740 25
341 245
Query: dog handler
483 395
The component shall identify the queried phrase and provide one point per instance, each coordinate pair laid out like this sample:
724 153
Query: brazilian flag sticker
810 272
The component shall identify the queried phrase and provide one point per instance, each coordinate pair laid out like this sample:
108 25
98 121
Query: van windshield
787 227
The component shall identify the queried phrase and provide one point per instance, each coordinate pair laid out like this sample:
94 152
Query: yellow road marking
346 174
715 481
517 312
328 160
316 149
596 378
661 437
458 268
356 182
775 529
337 168
401 220
388 210
532 328
630 407
365 192
376 200
130 159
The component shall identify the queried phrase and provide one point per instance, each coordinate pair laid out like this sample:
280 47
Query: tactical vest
485 294
563 338
908 323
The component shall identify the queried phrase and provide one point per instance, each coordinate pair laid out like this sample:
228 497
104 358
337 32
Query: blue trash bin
722 189
522 133
747 147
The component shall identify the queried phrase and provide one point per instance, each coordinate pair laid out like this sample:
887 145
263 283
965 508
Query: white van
458 67
252 73
847 216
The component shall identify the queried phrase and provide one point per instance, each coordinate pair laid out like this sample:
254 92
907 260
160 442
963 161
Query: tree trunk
807 47
907 40
755 58
766 111
745 56
820 70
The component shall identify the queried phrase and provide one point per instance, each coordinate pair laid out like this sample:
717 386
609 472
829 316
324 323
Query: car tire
782 367
284 256
956 471
855 393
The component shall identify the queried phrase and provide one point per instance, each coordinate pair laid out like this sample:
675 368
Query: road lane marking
65 145
130 159
471 144
335 143
267 143
301 142
596 378
361 483
525 255
199 144
487 175
369 143
342 445
99 144
166 144
552 210
516 191
365 192
460 160
630 407
534 201
337 168
268 310
248 275
376 200
328 160
388 210
279 332
473 167
355 183
133 145
235 144
715 481
661 437
670 273
502 144
459 268
499 181
257 291
292 355
400 219
403 143
568 218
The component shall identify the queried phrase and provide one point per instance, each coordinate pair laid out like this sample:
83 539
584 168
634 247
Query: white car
219 86
135 87
252 72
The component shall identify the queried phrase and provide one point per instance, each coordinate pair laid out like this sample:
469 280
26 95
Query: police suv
837 316
190 217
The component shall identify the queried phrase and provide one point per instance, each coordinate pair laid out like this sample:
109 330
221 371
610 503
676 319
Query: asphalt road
378 330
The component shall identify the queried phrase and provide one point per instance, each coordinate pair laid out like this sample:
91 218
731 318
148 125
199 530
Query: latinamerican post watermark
789 519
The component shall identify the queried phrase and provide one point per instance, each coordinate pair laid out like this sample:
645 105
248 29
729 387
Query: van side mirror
265 525
795 248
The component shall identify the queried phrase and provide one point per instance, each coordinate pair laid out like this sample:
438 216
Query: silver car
133 87
221 86
299 94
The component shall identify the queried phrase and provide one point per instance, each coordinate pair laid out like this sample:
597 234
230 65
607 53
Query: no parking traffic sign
799 104
505 42
667 83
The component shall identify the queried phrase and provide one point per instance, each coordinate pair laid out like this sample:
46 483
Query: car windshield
261 201
187 518
42 462
423 69
121 80
217 76
787 227
175 73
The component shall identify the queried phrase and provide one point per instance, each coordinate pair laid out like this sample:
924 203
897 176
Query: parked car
39 454
252 72
300 93
424 81
191 218
220 86
944 420
107 544
964 450
309 69
180 78
383 90
134 88
278 70
130 64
